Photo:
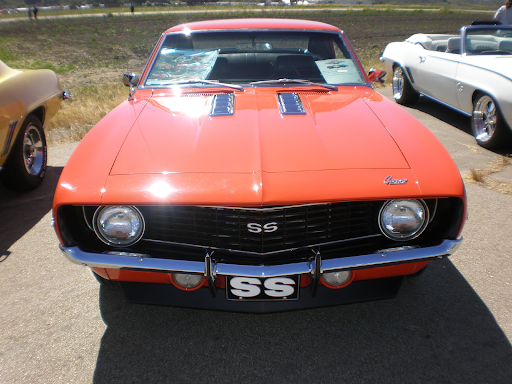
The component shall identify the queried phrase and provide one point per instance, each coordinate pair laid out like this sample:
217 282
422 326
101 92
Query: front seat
297 67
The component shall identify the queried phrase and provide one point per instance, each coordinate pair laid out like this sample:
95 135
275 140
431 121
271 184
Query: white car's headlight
120 226
403 219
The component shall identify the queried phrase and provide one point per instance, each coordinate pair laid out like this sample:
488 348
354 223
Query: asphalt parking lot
453 324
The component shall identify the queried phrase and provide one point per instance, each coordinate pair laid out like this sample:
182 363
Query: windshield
489 41
243 57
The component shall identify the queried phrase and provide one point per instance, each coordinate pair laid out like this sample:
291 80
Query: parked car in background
469 72
28 98
254 168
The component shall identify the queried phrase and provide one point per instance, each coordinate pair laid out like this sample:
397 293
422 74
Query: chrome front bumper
211 269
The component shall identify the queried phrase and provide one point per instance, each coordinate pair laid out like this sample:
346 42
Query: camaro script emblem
390 181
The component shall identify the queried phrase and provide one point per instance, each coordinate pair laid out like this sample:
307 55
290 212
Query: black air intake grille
273 229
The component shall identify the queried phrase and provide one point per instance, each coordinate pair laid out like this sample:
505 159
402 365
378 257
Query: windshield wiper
294 81
209 82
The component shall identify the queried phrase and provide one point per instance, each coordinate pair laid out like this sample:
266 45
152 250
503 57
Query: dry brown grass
87 106
89 103
481 176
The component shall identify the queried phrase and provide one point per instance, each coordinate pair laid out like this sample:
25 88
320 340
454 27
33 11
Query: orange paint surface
165 278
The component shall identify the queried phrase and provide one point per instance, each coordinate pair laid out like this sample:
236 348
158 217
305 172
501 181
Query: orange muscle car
28 98
254 168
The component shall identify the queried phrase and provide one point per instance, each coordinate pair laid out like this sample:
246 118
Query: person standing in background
35 12
504 14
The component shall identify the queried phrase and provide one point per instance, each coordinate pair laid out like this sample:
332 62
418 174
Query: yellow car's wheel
25 168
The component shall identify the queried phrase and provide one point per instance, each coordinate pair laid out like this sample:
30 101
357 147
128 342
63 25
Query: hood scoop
290 104
223 105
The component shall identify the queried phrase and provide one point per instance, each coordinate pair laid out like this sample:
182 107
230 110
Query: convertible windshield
243 57
489 41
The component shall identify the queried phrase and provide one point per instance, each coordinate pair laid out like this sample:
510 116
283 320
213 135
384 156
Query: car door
436 76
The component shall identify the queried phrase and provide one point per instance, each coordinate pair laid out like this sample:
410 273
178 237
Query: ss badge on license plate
271 288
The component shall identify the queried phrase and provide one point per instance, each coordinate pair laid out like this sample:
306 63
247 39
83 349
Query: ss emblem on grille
258 228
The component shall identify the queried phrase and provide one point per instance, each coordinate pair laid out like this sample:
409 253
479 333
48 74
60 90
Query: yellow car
28 98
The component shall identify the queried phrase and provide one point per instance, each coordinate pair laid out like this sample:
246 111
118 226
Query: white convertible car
470 72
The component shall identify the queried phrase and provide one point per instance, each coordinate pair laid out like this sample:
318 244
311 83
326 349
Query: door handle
422 59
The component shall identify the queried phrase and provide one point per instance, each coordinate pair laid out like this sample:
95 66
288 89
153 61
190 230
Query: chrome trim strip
263 209
98 260
435 211
10 135
446 105
344 40
266 253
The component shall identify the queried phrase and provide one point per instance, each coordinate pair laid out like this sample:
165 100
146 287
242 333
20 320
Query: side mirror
130 80
377 75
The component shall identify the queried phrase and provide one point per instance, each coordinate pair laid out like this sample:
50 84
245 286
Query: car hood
157 149
177 134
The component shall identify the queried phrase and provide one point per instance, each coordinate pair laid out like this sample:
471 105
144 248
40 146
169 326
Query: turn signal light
337 279
187 281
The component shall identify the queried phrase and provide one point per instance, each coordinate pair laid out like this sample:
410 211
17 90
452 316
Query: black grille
227 228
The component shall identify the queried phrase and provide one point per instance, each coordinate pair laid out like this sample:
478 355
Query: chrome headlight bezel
408 235
98 225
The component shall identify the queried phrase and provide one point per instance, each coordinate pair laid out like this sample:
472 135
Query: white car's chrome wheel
403 92
398 83
489 128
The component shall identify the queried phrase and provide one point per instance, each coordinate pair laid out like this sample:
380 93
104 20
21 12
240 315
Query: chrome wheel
484 119
33 151
403 91
490 129
398 83
26 163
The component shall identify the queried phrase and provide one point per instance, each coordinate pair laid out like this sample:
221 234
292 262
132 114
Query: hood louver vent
223 105
290 104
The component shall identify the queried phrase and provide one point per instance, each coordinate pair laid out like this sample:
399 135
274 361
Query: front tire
25 168
489 128
403 92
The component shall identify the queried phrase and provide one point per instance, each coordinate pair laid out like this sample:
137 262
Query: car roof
286 24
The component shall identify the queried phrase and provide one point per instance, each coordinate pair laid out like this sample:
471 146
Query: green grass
45 64
8 56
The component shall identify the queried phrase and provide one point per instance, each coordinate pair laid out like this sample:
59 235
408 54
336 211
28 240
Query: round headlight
187 281
403 219
336 279
121 226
